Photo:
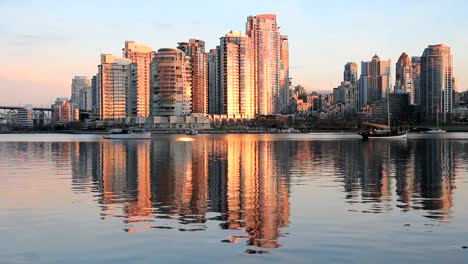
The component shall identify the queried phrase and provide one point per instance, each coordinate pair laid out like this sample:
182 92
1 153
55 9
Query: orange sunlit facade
114 75
171 76
237 75
195 49
263 31
139 92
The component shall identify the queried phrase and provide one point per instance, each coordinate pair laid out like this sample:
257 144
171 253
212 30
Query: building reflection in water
182 181
245 182
423 171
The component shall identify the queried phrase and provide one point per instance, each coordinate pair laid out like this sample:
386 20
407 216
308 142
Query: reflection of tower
199 161
113 170
435 166
406 184
180 177
217 170
126 177
82 157
258 199
139 181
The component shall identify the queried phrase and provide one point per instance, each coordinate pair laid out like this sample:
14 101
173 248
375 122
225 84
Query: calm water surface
233 198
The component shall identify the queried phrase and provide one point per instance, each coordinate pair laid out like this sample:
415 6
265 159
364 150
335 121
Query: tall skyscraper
375 80
436 83
195 49
237 78
78 82
86 98
348 91
404 76
113 82
284 75
350 73
416 62
139 91
263 30
213 93
171 83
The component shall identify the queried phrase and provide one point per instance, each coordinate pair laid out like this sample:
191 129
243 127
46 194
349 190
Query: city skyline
35 45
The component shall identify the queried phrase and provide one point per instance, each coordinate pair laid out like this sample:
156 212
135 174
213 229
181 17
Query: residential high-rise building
139 91
86 98
219 74
171 83
195 49
284 75
213 90
237 78
113 82
263 31
78 82
436 83
416 62
374 83
404 76
94 94
350 73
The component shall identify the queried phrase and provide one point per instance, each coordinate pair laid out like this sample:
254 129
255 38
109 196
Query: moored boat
433 131
383 134
191 132
128 133
333 135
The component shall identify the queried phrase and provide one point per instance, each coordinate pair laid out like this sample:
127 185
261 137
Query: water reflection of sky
256 194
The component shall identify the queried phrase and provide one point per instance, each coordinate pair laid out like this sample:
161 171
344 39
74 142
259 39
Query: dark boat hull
393 135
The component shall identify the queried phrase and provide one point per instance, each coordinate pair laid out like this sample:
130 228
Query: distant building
94 93
436 83
416 71
63 111
78 83
375 80
25 117
171 83
213 87
237 75
139 91
350 73
404 76
114 80
86 99
195 49
263 31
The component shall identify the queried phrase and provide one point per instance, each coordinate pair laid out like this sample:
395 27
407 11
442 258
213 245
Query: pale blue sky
45 43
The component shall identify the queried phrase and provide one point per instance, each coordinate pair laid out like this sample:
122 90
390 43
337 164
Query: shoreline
207 132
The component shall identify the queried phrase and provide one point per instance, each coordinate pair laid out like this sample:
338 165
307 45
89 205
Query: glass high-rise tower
436 83
263 31
237 76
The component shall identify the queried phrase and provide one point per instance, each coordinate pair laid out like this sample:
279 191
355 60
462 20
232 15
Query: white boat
128 133
436 130
191 132
433 131
333 135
